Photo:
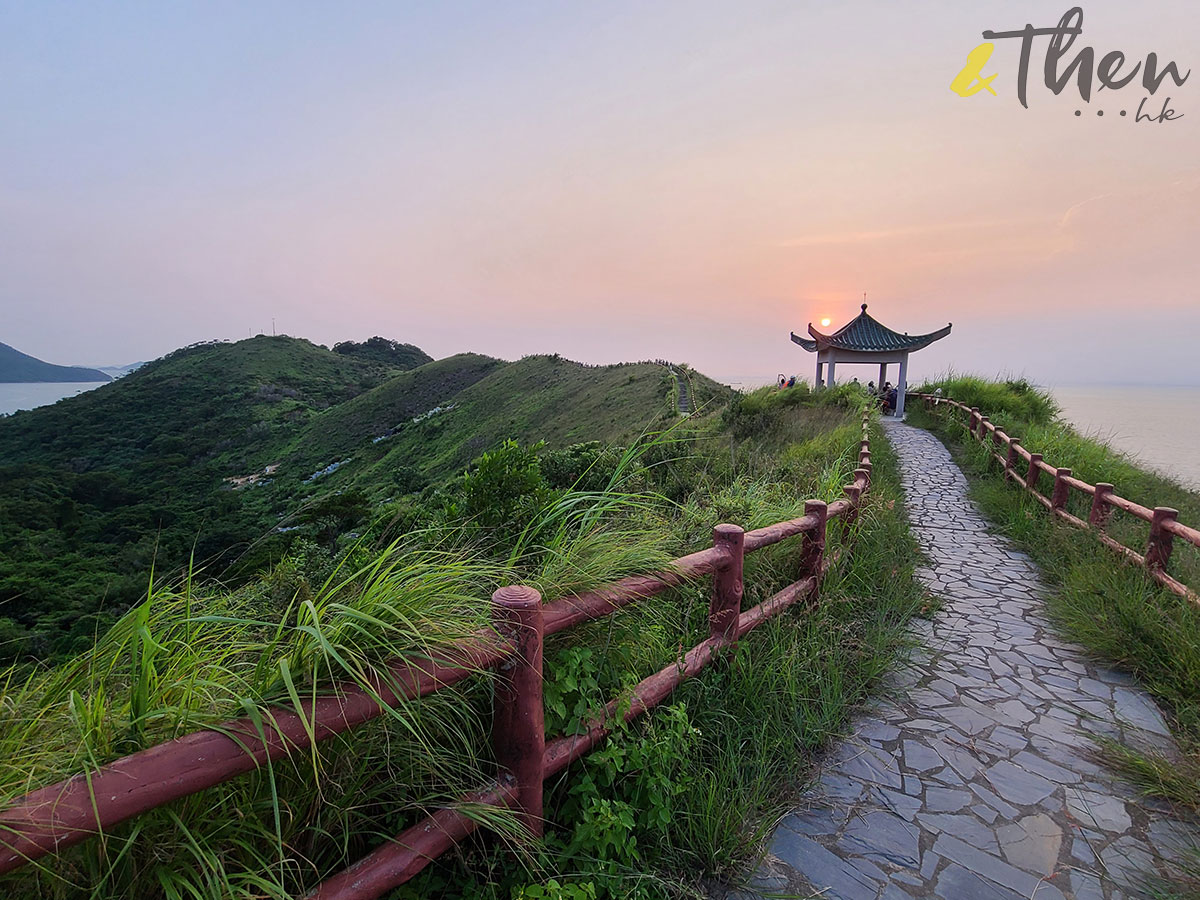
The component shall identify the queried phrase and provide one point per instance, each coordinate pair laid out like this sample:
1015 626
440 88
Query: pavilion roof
865 334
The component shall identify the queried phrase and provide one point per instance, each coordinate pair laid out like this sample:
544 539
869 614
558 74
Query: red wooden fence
64 814
1164 524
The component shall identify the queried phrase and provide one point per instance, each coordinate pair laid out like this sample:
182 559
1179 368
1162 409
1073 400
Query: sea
1157 426
31 395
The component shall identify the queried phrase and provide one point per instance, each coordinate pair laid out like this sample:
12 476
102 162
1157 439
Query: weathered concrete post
812 550
1101 510
1034 472
726 603
519 721
1158 550
1058 499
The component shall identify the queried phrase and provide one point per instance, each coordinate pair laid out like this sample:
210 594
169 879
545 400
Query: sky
611 181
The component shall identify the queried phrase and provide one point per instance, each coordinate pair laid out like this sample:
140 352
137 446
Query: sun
825 323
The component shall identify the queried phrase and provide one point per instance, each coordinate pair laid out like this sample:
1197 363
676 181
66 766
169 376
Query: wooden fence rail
1163 520
62 815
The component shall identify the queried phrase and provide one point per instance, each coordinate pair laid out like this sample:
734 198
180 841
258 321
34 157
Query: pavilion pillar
901 385
882 375
820 366
830 382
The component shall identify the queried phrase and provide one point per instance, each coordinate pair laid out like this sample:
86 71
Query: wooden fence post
971 419
813 549
726 603
1010 466
865 465
1058 499
1101 510
853 493
1158 550
519 723
1034 472
983 422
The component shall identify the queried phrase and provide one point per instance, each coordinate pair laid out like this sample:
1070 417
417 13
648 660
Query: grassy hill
16 366
100 489
344 428
168 464
196 403
541 398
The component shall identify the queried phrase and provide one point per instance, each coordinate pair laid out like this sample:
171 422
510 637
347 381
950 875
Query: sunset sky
610 181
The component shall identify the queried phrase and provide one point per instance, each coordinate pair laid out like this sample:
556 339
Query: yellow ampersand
970 80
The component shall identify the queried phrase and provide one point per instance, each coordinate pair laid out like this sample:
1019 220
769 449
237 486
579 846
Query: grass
538 398
684 795
192 656
1110 606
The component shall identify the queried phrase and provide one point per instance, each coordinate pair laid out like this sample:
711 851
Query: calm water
29 396
1158 425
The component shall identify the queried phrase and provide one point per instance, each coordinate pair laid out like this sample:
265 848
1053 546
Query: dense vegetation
1106 604
99 489
381 350
16 366
683 796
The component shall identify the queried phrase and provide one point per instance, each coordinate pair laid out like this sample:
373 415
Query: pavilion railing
62 815
1026 469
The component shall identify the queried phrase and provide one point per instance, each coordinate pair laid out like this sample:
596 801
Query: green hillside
16 367
190 406
212 454
100 488
435 419
347 426
541 398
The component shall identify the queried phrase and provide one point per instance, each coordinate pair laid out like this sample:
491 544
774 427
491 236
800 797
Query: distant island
115 372
18 367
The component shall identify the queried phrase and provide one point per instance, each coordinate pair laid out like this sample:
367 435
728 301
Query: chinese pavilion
866 341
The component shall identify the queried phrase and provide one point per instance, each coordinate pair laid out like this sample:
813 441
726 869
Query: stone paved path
975 780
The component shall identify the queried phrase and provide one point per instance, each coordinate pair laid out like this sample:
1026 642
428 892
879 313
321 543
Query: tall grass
191 656
1010 401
